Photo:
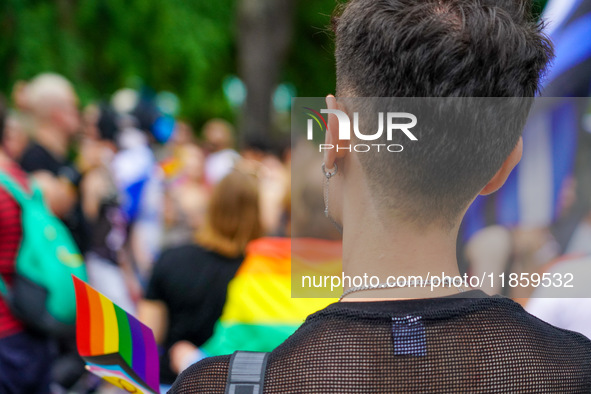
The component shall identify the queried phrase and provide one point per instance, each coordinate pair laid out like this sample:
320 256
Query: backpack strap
246 373
15 190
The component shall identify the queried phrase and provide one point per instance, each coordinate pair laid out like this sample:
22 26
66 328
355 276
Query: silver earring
328 174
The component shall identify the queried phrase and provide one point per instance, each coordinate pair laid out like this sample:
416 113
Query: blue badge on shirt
408 335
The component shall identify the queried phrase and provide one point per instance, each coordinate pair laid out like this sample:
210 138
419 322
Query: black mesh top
445 345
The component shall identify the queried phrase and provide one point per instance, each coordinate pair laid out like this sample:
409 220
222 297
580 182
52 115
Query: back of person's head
51 98
233 216
441 48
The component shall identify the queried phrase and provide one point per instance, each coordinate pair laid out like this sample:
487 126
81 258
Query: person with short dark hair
400 214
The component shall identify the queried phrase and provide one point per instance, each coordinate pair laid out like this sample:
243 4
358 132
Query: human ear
332 135
503 173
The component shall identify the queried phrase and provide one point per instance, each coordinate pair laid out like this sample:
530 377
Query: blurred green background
187 47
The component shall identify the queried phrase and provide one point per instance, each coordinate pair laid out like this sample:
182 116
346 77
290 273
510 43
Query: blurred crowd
124 176
133 185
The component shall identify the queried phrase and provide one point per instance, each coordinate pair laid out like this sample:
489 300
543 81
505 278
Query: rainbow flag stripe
260 313
109 337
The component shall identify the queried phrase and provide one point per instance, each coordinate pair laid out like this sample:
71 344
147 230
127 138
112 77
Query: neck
375 246
52 139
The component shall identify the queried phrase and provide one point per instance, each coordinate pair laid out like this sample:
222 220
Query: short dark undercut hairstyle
441 49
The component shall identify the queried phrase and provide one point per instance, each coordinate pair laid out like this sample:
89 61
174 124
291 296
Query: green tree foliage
186 47
310 66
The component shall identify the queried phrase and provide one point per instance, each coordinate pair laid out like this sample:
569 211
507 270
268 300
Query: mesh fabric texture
445 345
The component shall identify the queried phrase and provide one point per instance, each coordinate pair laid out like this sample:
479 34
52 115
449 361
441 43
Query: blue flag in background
531 195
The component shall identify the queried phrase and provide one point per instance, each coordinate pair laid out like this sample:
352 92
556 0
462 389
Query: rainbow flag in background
260 312
115 345
315 258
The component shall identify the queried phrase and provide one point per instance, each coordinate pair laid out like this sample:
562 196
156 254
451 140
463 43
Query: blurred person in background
183 134
187 290
108 263
260 312
139 179
16 138
171 160
219 145
25 358
572 313
20 123
186 197
19 96
52 103
171 154
259 156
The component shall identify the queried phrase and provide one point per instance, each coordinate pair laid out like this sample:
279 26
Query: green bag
42 293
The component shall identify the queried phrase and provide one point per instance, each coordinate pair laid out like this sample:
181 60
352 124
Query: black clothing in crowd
192 282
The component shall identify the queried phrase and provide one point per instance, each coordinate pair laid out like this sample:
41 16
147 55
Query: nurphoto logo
392 120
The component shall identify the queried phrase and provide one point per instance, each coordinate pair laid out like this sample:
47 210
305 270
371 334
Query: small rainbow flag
114 344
